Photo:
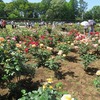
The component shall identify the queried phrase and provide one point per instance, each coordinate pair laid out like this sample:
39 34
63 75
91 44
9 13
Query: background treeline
60 10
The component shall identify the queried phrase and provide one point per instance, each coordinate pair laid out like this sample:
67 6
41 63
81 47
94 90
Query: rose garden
45 63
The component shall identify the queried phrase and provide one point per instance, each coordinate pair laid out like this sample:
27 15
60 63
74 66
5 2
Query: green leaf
23 91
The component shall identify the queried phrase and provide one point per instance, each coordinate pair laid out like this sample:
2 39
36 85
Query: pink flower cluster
80 37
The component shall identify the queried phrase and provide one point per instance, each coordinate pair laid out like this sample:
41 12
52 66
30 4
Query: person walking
86 25
91 26
3 23
91 29
85 30
13 24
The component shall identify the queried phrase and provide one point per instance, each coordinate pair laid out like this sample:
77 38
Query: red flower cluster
30 42
26 50
94 33
42 37
33 42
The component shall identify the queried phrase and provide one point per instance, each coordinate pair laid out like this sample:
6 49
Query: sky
91 3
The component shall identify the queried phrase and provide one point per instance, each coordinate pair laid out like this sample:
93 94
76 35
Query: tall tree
56 9
1 0
19 0
96 12
88 15
73 9
22 6
45 5
8 7
2 6
82 8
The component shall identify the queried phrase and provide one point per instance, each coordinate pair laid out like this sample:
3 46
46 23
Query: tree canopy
49 9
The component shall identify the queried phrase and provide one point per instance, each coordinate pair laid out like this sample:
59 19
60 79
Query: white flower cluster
67 97
98 73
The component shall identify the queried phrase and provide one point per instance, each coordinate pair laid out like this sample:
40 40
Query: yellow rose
49 80
49 48
1 44
44 86
33 45
18 45
50 87
41 45
64 55
68 41
98 73
72 44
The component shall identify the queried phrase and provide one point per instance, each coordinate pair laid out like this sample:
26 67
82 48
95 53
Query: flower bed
46 50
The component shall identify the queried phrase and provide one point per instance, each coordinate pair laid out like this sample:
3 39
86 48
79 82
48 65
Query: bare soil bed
77 81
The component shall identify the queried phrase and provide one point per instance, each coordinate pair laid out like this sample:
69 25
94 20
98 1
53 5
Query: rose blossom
67 97
95 45
60 52
98 73
99 41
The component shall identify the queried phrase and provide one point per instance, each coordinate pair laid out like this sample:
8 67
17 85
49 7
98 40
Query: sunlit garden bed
43 63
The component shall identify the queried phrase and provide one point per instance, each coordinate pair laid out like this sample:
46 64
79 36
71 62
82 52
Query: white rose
49 48
41 45
95 45
98 73
67 97
72 44
33 45
64 55
60 52
93 39
99 41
